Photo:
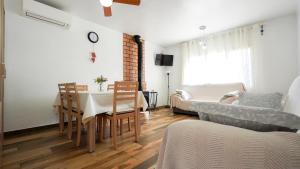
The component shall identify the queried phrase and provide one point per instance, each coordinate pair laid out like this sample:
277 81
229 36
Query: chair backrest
110 87
63 94
82 87
125 91
73 97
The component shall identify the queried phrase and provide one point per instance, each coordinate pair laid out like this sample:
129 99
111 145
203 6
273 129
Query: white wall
276 53
298 31
156 77
41 55
176 69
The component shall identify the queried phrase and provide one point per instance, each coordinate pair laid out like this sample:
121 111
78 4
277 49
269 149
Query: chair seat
120 112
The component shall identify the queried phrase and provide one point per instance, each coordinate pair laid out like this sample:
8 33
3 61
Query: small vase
100 87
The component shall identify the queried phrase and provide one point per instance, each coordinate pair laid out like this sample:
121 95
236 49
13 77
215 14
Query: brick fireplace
130 60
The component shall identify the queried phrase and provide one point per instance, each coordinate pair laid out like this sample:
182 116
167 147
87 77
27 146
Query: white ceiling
166 22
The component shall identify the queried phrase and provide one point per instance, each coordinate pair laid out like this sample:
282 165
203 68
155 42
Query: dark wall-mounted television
164 60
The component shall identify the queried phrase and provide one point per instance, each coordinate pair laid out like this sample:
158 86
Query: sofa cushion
184 94
270 100
212 91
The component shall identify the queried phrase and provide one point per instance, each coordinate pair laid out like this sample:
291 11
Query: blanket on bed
195 144
254 118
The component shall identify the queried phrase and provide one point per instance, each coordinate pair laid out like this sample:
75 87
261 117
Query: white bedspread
195 144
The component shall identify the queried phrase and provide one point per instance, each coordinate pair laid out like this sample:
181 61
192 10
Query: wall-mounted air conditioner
39 11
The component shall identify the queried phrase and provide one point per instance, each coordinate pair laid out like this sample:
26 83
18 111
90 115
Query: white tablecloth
93 103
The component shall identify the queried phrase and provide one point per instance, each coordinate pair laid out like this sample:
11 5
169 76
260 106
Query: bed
195 144
198 144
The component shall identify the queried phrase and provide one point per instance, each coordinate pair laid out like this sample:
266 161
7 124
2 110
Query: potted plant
100 80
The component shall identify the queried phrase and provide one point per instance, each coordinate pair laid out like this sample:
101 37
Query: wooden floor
46 149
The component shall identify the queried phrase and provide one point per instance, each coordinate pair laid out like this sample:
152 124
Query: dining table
93 103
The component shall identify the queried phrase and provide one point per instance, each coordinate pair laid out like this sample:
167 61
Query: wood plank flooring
46 149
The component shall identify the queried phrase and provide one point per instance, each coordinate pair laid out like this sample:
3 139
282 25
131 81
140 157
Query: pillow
252 118
183 94
228 100
236 102
230 97
283 102
270 100
292 104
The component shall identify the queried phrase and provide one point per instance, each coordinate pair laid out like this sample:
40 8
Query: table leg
136 128
129 124
91 135
121 126
139 123
100 125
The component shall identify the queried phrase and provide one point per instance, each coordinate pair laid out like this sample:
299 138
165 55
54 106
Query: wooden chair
110 87
119 123
63 108
82 87
74 108
123 91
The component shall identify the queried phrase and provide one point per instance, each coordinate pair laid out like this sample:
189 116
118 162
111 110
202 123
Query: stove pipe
137 39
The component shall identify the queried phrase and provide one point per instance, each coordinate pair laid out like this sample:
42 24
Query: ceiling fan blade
107 11
129 2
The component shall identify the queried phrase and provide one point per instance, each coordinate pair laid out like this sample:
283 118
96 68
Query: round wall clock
93 37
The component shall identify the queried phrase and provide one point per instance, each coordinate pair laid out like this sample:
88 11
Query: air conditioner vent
42 12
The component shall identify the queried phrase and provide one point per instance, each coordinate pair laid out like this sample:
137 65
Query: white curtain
226 59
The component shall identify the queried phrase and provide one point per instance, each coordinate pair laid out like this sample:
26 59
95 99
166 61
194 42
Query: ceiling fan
108 3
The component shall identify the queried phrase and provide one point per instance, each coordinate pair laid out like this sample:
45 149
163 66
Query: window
223 61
